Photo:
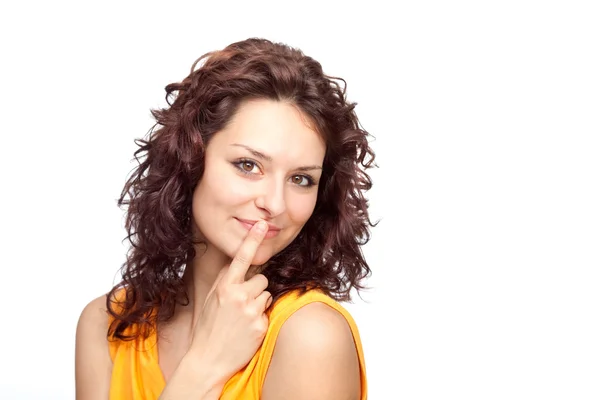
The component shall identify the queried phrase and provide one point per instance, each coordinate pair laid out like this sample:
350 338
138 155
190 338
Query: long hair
326 254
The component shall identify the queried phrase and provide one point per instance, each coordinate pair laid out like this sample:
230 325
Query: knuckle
222 300
269 299
263 279
221 292
250 312
261 325
242 258
240 297
228 293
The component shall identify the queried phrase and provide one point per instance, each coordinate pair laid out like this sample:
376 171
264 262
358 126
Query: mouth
248 224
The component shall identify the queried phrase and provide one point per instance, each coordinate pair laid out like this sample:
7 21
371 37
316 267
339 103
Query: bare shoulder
319 327
93 365
315 357
93 324
93 314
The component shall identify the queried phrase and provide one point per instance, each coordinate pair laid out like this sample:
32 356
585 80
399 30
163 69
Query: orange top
136 373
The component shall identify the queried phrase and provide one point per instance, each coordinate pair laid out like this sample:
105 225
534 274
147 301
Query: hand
233 322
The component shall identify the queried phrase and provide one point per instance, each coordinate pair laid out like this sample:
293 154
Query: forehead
278 128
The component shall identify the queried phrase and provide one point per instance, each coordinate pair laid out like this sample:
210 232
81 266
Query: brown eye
302 180
247 166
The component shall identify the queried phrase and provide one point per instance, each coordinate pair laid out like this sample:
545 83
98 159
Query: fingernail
261 226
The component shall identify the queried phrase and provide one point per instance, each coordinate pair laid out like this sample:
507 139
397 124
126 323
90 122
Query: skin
263 166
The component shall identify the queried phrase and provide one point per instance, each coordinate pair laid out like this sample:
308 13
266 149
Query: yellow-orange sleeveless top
136 373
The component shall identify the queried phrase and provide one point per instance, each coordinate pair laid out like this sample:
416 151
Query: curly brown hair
326 254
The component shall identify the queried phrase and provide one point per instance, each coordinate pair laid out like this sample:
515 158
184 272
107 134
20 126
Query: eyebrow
265 157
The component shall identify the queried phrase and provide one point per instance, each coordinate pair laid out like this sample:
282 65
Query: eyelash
238 165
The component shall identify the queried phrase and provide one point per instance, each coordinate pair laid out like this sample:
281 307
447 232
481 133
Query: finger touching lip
248 224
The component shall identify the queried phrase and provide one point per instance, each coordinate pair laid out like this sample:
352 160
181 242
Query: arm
193 379
93 365
231 327
314 358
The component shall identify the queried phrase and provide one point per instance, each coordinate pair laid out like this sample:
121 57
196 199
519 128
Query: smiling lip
248 224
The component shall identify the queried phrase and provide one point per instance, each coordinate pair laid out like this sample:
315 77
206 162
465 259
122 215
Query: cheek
300 208
222 187
235 190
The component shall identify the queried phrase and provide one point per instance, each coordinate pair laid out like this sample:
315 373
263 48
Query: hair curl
326 254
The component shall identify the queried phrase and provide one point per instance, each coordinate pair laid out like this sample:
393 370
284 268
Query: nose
272 197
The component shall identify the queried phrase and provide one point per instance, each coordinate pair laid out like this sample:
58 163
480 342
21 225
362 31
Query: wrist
204 372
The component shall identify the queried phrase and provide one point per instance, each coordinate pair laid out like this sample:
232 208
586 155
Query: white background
487 122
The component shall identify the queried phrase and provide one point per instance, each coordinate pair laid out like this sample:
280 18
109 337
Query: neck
200 276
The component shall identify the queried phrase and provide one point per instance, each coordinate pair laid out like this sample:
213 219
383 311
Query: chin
262 256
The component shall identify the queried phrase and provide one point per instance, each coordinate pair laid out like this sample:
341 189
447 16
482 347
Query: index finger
245 254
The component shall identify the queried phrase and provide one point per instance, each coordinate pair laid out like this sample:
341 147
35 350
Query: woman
246 217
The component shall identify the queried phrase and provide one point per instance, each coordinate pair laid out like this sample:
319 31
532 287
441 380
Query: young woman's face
266 164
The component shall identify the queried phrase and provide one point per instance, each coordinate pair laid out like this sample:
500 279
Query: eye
246 166
303 180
